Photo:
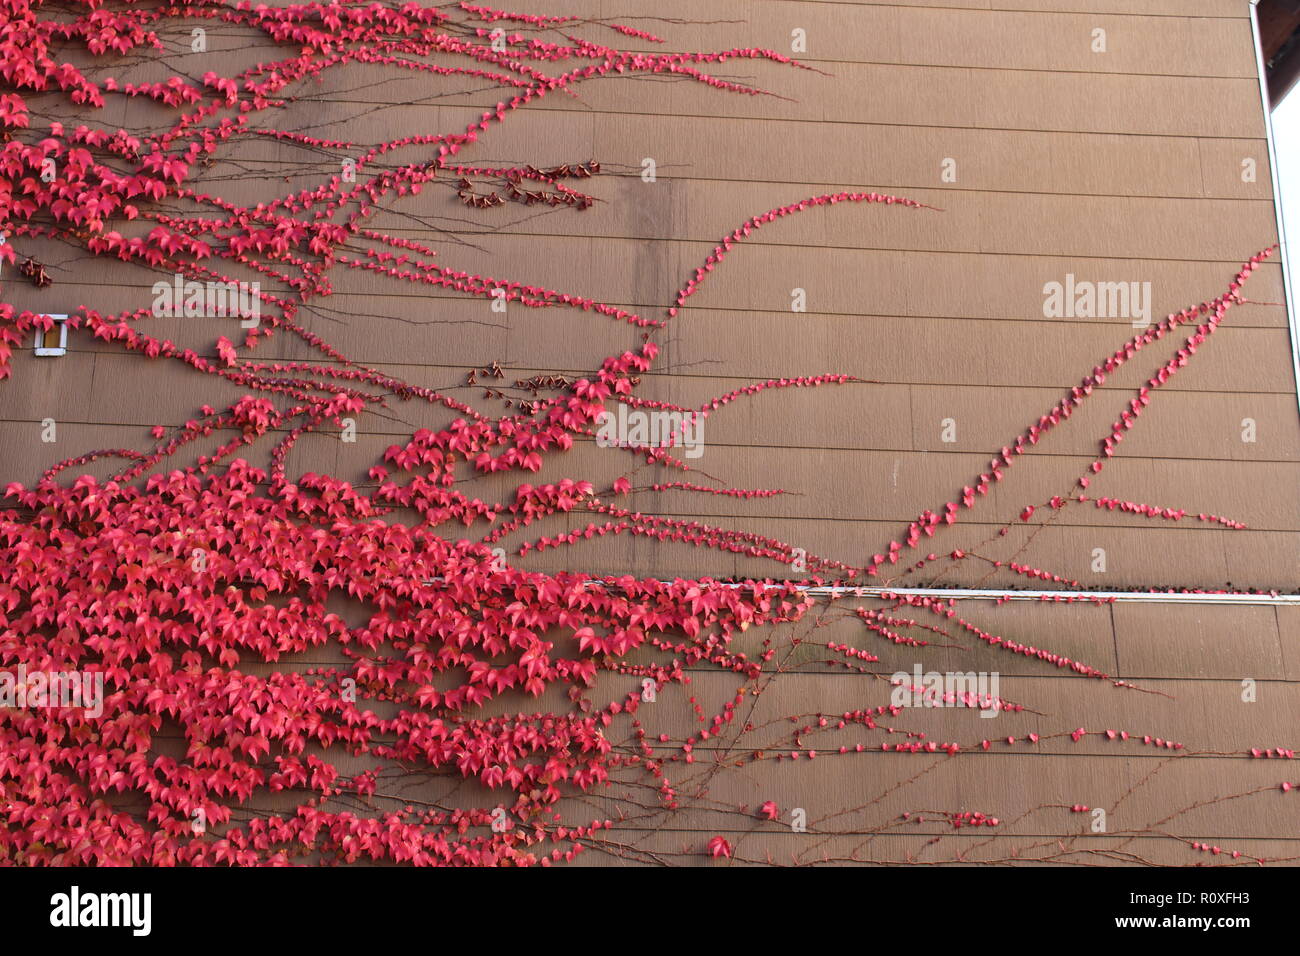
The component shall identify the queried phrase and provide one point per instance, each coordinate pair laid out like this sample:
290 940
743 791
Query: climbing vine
187 587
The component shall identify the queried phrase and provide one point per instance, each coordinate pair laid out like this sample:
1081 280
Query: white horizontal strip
1135 597
982 594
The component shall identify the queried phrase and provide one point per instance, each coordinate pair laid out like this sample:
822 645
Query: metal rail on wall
1238 598
1118 597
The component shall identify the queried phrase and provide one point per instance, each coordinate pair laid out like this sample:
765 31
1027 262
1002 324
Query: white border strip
1277 196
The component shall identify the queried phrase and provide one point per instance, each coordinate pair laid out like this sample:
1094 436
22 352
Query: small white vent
55 341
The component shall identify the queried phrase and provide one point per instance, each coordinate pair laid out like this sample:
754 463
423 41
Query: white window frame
1277 197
